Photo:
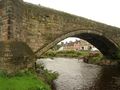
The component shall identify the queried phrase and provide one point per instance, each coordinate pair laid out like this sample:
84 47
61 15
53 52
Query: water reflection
76 75
109 79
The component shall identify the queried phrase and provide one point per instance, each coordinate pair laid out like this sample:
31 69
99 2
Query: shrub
47 75
50 54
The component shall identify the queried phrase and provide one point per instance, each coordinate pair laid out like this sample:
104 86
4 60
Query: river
77 75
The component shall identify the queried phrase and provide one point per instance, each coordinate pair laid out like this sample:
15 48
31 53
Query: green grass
22 81
72 54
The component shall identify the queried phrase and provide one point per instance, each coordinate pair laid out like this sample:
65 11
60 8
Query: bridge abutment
14 57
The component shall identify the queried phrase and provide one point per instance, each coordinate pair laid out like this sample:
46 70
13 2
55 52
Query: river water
77 75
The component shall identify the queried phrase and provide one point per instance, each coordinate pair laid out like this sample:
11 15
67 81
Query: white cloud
69 39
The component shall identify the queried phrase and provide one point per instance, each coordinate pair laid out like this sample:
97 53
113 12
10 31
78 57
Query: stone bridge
27 31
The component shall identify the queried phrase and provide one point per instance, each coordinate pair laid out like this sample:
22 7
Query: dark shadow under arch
106 46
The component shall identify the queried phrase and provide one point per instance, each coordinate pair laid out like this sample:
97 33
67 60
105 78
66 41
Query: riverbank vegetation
27 80
95 58
71 54
46 75
99 59
89 57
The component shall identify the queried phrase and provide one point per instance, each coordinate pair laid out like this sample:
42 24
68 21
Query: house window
82 48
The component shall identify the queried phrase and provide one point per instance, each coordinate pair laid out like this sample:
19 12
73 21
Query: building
78 45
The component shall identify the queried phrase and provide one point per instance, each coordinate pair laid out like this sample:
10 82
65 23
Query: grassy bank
91 57
26 81
72 54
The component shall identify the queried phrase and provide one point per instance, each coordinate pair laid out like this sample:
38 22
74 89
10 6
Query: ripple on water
74 75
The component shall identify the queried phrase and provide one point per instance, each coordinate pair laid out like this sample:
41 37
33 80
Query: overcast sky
106 11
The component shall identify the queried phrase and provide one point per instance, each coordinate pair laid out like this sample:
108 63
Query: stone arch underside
106 46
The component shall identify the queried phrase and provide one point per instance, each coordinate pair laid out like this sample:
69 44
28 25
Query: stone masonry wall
44 26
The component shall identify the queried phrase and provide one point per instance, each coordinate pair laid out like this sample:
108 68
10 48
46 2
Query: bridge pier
14 57
117 54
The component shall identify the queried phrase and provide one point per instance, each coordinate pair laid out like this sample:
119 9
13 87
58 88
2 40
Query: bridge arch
105 44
